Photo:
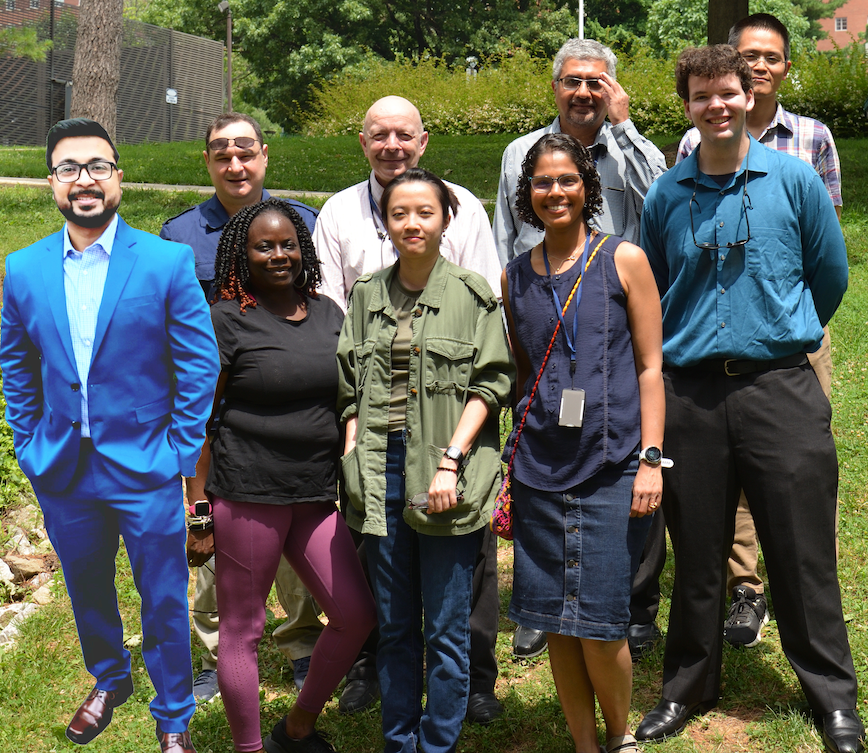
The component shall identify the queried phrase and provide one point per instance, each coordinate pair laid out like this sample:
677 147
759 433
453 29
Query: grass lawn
762 710
298 163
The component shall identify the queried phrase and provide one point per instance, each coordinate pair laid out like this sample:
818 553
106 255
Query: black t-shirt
278 435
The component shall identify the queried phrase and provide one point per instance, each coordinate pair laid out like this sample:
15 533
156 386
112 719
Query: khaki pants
295 638
745 552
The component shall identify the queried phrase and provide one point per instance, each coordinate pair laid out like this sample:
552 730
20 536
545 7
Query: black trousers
768 433
645 594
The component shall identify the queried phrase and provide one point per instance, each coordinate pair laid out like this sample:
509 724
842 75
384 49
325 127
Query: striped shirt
799 136
84 275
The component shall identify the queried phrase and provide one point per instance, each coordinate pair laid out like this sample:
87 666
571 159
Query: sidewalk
206 190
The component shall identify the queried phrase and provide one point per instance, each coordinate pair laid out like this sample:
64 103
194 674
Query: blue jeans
411 572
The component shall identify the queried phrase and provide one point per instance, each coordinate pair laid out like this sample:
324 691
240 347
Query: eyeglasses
571 83
68 172
745 205
242 142
545 183
752 58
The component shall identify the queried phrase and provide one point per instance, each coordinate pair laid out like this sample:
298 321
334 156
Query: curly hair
558 142
231 272
712 61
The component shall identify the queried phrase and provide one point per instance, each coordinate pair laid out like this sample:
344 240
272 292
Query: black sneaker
748 614
279 742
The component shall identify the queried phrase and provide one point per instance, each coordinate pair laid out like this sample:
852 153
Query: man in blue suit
108 359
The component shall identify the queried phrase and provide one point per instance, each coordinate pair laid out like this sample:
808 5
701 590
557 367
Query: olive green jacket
458 349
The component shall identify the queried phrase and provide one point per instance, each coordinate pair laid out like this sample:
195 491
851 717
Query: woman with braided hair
271 469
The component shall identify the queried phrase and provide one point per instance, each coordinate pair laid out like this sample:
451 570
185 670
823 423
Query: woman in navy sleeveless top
582 498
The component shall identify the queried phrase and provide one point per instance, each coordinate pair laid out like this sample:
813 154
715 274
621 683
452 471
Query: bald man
350 235
351 240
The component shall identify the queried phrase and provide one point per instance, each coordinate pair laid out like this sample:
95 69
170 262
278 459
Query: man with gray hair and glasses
586 91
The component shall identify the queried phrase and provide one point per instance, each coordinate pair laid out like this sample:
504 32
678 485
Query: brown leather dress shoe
94 715
175 742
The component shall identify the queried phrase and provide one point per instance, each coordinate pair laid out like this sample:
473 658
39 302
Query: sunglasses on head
242 142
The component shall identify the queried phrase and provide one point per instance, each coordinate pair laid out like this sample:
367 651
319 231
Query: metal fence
171 83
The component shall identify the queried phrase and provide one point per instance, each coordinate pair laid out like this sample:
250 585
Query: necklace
564 259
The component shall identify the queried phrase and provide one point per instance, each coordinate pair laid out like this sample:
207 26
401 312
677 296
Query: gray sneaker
205 688
748 614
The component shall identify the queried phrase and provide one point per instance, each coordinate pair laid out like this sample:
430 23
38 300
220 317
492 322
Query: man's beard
89 221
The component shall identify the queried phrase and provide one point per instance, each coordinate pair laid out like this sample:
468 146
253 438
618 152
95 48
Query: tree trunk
722 14
96 69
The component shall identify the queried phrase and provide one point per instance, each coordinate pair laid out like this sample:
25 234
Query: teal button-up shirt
766 299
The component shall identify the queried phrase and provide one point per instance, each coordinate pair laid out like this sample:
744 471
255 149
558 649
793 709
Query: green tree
675 24
293 46
628 15
23 42
814 10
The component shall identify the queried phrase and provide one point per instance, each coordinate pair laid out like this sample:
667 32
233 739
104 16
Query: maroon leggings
249 540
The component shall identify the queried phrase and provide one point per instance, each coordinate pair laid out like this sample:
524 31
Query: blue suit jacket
152 375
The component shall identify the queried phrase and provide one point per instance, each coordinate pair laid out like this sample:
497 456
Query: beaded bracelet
444 468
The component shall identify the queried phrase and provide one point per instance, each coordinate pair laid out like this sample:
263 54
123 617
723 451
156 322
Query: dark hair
558 142
421 175
231 273
710 62
227 118
74 128
760 21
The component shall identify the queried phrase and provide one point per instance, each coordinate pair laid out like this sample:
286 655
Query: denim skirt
575 553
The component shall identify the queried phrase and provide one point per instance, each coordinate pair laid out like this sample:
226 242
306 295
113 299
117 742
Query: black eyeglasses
242 142
745 205
571 83
68 172
545 183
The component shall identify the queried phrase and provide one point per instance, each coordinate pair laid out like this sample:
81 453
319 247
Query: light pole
224 8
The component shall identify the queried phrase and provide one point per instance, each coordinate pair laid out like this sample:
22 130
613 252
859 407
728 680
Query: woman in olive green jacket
424 370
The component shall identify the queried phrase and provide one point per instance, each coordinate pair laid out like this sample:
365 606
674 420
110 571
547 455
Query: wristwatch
654 457
453 453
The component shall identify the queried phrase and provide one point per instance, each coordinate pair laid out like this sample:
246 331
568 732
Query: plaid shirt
801 137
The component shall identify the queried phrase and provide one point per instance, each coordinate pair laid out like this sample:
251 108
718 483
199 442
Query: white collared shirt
351 241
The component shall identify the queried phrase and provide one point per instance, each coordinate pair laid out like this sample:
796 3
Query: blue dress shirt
84 274
767 299
200 227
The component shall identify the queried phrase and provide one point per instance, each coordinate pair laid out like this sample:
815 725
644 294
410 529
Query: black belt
739 366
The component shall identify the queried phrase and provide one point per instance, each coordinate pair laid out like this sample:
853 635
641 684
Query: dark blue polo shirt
200 228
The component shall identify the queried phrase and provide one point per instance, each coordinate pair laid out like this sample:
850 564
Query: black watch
453 453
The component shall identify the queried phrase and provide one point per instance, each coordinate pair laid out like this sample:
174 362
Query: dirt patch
724 733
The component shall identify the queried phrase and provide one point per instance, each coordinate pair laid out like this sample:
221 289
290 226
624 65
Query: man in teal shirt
750 261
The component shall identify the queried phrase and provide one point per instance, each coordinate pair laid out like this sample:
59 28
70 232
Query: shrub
505 96
512 94
831 87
